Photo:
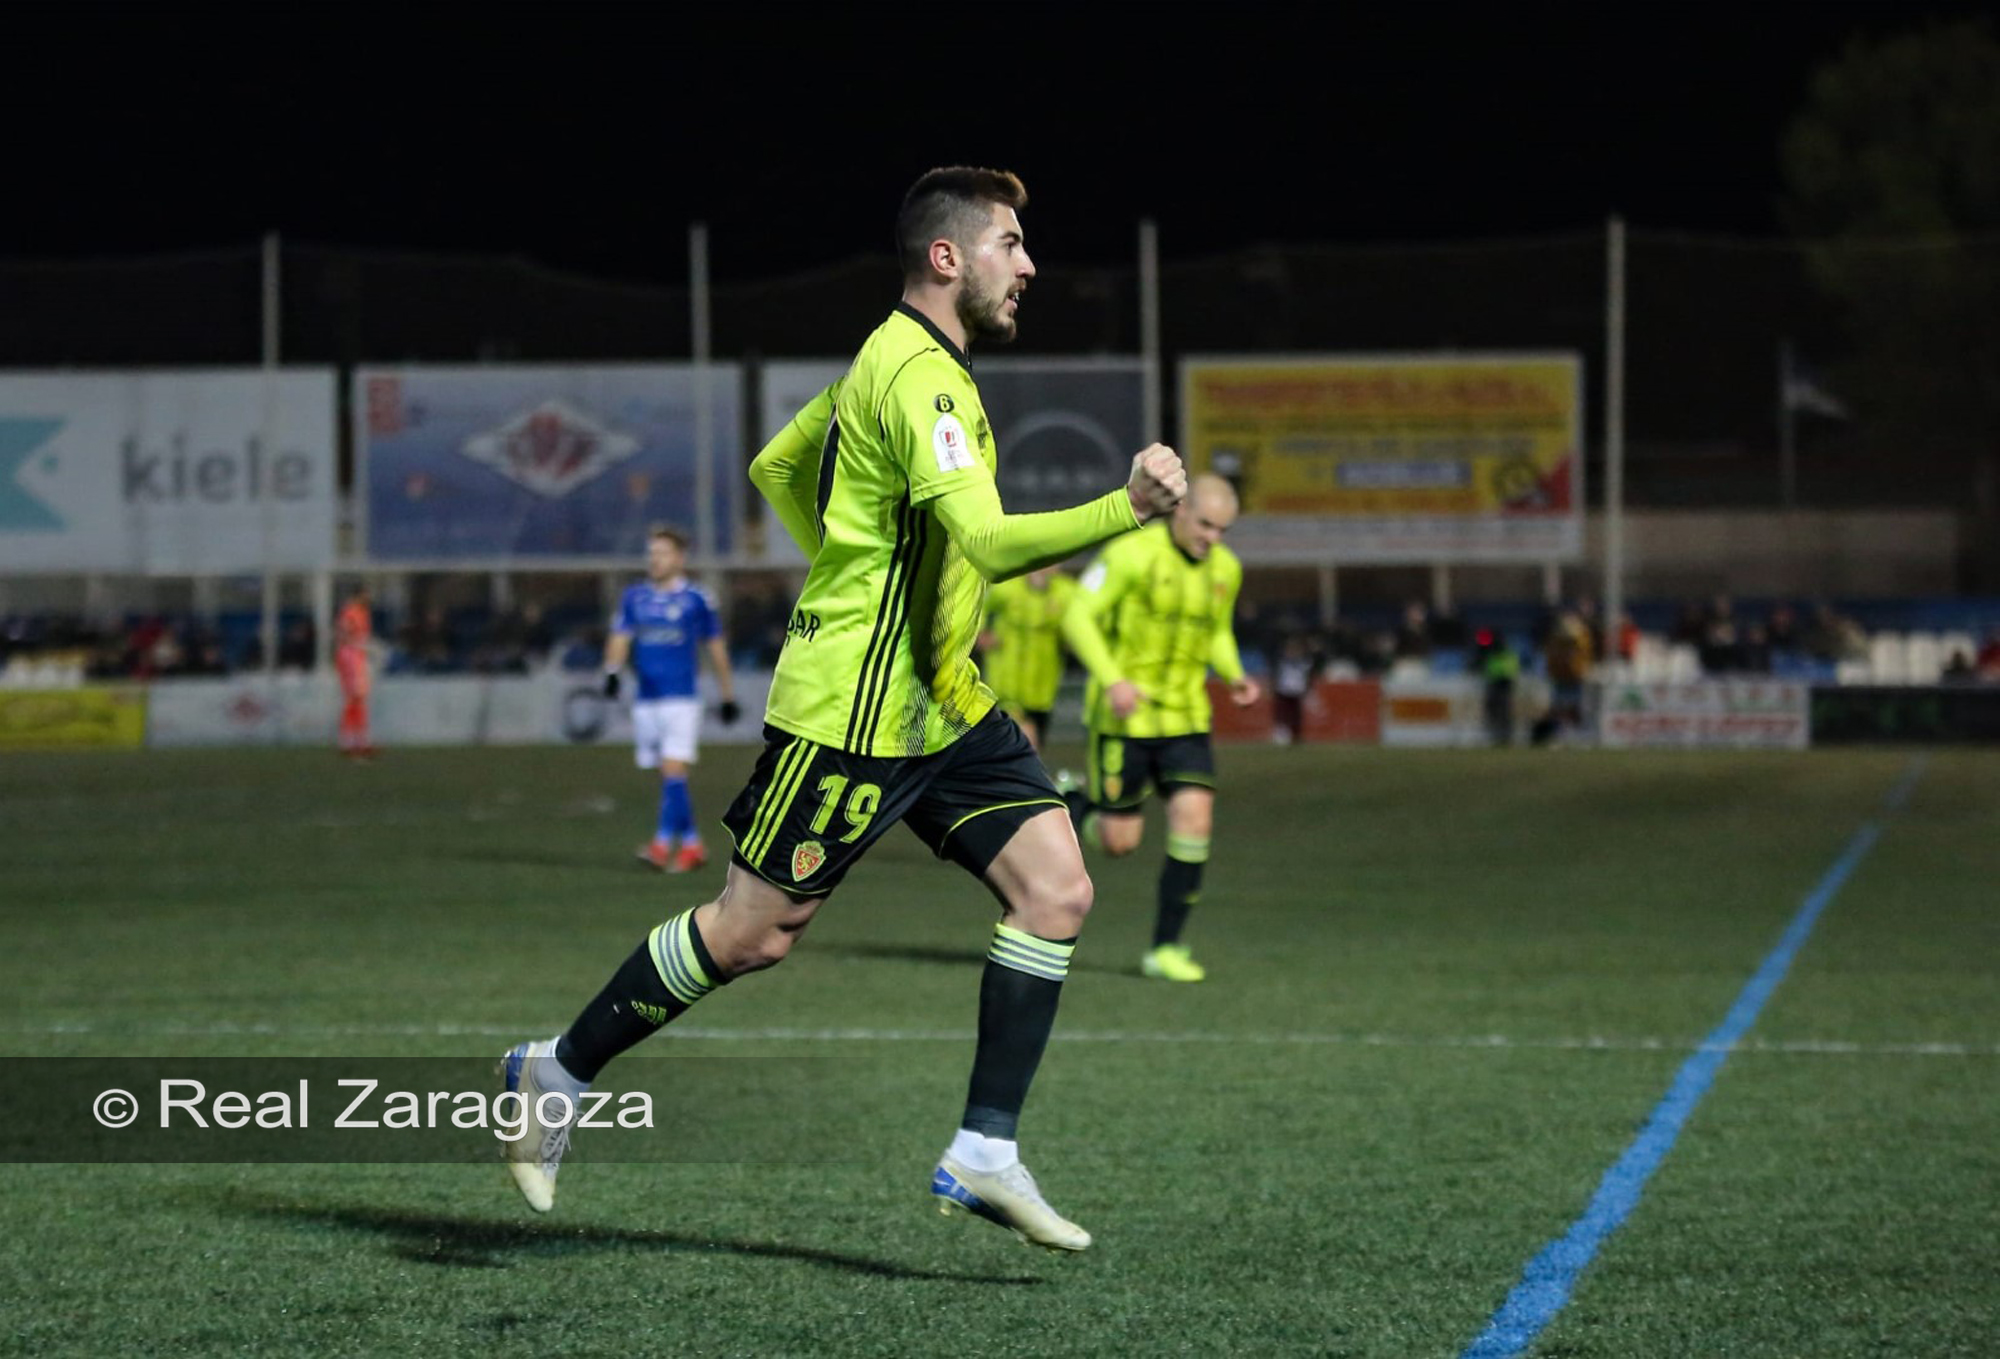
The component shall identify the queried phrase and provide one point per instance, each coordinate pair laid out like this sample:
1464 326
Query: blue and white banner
478 466
1066 429
167 473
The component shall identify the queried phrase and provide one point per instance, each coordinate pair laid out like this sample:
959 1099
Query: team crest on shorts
806 859
1113 785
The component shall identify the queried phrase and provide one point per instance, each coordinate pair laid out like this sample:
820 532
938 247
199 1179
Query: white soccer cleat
1010 1199
536 1155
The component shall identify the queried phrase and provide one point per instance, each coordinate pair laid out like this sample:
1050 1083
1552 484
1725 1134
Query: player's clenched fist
1158 481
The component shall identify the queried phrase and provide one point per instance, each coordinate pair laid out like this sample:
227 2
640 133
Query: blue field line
1546 1283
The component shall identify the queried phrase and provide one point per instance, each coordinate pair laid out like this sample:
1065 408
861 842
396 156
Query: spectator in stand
1377 651
517 640
1413 637
140 642
299 646
1782 630
1628 638
1566 654
1721 644
169 656
1593 623
1689 623
426 643
1753 654
1448 630
1987 663
1499 666
205 655
1959 669
1291 680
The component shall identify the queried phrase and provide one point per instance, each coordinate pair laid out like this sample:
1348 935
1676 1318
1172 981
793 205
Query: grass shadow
478 1243
947 956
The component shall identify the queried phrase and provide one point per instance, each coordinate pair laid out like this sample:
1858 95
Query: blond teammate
1152 617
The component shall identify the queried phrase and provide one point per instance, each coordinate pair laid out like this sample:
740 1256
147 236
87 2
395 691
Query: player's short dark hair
955 203
671 532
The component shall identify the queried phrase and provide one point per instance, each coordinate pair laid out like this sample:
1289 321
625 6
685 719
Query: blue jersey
667 625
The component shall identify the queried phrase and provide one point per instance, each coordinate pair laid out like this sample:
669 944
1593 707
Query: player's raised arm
787 471
1001 545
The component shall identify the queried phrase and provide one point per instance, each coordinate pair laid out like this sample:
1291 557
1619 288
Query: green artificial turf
1446 989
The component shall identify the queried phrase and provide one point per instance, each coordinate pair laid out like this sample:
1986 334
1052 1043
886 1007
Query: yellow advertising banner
1396 458
41 719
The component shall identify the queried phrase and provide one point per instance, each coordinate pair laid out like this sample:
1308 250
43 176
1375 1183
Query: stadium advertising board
100 716
1440 711
292 709
498 463
1847 713
1382 459
1734 713
167 473
1065 430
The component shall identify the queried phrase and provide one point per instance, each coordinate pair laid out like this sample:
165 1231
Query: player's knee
770 949
1056 907
1120 836
765 949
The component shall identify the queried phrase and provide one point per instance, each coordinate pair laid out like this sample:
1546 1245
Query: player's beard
983 313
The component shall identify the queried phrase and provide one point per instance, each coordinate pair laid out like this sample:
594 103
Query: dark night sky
586 136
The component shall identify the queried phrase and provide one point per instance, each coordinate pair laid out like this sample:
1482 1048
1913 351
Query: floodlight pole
1149 326
267 623
1614 431
704 417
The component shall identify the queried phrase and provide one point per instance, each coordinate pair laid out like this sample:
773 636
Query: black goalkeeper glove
611 684
728 710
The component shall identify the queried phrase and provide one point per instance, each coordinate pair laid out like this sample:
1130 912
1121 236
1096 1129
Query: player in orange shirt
354 629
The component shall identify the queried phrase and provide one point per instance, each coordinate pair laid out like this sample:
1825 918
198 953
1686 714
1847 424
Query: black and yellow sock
1017 1009
662 979
1180 886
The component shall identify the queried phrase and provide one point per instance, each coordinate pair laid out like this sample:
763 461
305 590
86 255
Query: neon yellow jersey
1146 613
885 481
1025 663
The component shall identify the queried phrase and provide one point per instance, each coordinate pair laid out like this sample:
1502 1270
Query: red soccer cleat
691 857
655 855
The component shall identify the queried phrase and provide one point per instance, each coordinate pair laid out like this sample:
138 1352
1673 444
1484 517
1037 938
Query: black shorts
1035 717
810 811
1123 769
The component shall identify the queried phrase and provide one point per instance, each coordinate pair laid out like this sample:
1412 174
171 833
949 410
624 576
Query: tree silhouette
1892 178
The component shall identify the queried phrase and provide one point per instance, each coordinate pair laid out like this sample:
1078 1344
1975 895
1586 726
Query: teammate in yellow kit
1021 651
1152 616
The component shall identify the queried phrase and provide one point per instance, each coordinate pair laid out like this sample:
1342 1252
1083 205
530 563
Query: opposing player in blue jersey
659 628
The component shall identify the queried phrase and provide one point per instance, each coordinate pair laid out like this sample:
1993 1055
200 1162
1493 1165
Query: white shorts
665 729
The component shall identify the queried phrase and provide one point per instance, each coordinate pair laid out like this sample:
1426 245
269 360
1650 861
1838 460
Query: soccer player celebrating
1022 646
354 634
1152 615
877 713
659 627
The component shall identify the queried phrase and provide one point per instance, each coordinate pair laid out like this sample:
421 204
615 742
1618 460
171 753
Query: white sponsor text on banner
167 473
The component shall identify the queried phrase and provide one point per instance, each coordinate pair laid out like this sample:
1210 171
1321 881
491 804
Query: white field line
691 1033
